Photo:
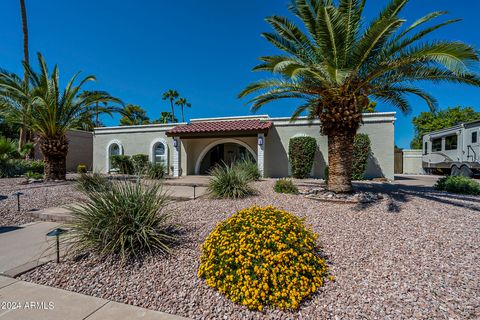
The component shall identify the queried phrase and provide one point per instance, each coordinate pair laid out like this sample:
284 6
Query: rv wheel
466 172
455 171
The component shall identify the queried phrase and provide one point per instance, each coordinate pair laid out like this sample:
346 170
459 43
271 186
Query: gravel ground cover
414 254
35 196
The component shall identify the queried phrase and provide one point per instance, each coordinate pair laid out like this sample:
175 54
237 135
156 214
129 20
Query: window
474 137
159 153
451 142
437 144
425 148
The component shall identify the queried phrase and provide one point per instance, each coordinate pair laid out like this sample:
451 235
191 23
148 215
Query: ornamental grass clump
128 220
263 257
230 181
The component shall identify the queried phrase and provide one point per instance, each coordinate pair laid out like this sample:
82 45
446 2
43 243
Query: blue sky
204 49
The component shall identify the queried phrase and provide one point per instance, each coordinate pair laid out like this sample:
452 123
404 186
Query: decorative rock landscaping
322 194
421 262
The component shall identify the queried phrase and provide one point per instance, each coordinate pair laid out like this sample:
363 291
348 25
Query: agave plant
53 110
336 64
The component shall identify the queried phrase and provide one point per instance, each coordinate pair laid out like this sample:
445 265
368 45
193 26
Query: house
193 148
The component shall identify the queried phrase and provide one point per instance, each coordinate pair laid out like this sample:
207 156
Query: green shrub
361 151
16 167
33 175
139 163
82 168
129 219
326 174
458 184
228 181
93 183
249 167
301 151
156 171
285 186
122 163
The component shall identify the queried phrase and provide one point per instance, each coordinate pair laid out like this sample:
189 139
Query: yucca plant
337 62
228 181
53 110
128 220
249 167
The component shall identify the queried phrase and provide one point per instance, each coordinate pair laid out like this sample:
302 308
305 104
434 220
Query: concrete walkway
29 301
24 248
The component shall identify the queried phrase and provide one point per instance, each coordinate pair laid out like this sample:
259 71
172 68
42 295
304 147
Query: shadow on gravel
2 197
398 194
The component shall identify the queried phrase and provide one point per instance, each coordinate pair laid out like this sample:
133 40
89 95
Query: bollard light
18 194
194 188
56 233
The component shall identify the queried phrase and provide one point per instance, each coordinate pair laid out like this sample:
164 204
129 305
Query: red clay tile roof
228 126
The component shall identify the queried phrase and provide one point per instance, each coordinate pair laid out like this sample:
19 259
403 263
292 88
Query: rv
454 150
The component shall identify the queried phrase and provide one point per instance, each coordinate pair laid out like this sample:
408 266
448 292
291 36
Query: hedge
301 151
361 151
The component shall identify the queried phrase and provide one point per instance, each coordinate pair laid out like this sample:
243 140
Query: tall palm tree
182 102
171 95
101 97
24 135
336 63
53 112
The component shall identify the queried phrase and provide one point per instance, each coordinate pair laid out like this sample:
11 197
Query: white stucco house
193 148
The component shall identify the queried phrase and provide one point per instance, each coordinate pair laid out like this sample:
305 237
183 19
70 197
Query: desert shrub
33 175
228 181
263 257
458 184
16 167
156 171
301 151
326 174
139 163
285 186
361 151
249 167
94 182
82 168
127 220
122 163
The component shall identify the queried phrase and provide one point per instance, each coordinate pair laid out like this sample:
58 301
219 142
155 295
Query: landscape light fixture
18 194
56 233
194 188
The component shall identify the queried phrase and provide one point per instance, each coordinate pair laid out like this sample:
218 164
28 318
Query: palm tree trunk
23 130
340 157
173 111
54 152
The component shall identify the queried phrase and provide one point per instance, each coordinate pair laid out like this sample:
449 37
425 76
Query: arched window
160 153
114 148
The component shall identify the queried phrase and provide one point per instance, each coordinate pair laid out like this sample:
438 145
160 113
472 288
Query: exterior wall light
175 143
260 141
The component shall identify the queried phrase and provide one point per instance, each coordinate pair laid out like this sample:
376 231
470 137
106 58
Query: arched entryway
226 150
114 148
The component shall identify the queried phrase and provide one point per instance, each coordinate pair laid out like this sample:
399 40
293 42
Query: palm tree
24 135
171 95
101 97
182 102
53 112
336 64
133 115
165 117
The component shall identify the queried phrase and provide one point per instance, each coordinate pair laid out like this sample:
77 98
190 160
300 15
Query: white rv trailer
454 150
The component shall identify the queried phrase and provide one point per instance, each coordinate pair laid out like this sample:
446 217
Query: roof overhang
228 128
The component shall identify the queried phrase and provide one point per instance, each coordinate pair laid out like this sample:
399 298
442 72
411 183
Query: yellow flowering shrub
263 257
